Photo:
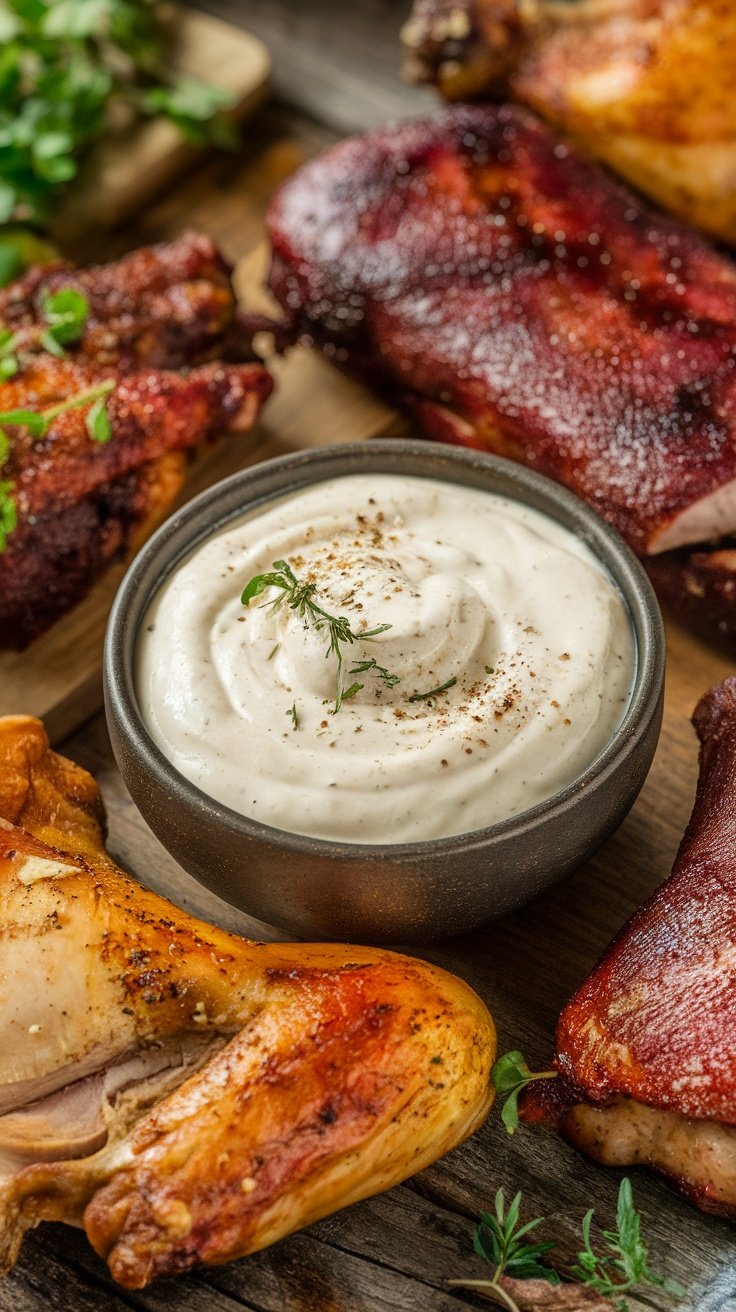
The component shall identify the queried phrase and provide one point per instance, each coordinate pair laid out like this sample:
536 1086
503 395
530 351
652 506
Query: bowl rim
211 510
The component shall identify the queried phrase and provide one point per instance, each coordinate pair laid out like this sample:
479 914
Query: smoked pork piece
646 1049
185 1095
699 588
81 503
520 300
646 85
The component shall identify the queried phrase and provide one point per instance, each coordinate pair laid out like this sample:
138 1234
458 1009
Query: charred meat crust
158 319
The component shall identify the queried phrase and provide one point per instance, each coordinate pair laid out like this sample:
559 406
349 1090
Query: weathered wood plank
46 1280
344 69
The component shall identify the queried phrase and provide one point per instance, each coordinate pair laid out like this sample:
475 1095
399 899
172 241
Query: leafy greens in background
65 67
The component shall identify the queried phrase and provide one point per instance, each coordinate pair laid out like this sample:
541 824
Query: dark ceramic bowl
391 892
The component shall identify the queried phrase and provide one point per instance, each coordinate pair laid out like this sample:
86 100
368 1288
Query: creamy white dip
476 588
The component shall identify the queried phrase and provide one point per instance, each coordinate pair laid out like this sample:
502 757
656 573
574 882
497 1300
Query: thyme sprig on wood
500 1240
619 1268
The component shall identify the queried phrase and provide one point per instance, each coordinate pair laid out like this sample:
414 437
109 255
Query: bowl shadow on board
408 892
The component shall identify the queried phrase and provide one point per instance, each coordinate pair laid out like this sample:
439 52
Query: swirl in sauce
476 588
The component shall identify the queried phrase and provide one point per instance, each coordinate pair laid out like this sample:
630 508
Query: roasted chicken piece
79 503
648 86
521 301
185 1095
646 1049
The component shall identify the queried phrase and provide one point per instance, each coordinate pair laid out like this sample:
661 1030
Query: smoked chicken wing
79 503
648 86
183 1094
646 1049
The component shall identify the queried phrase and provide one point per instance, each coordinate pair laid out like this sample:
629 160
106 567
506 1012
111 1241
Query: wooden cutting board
137 162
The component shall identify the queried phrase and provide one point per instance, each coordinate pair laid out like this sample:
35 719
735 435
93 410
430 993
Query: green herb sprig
433 692
299 597
65 319
361 667
624 1264
96 422
510 1075
38 422
66 68
502 1241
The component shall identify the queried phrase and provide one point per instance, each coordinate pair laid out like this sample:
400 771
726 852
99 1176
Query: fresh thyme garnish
424 696
624 1265
510 1075
97 424
500 1240
293 715
273 651
299 597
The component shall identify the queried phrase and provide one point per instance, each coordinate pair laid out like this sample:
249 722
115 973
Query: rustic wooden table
338 67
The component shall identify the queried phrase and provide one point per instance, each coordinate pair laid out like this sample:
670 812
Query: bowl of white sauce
387 690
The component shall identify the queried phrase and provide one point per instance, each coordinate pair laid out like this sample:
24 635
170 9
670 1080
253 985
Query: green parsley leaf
8 513
97 421
65 312
62 64
35 423
510 1075
9 367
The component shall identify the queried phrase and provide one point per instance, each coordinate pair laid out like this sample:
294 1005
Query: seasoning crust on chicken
645 1049
648 86
183 1094
519 300
81 503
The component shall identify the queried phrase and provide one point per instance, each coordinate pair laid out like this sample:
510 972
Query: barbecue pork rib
648 86
646 1049
81 503
521 301
185 1095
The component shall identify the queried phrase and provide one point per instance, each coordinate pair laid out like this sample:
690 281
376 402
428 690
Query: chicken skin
647 86
183 1094
162 337
645 1049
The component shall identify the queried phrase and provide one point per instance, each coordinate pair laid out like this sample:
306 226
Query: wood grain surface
396 1253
